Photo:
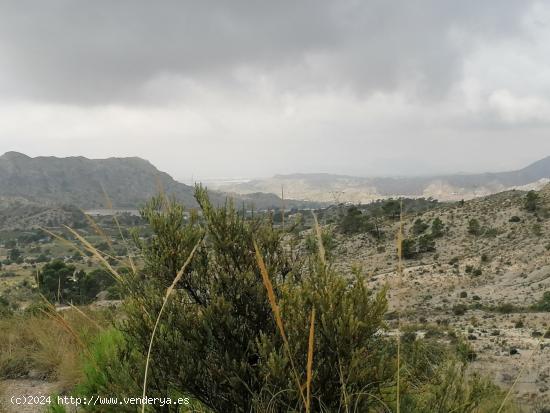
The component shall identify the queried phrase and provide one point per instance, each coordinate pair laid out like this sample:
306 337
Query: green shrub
437 228
218 340
219 327
474 227
531 201
506 308
419 227
459 309
544 303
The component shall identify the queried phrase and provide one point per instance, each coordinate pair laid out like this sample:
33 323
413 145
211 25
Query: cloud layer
255 88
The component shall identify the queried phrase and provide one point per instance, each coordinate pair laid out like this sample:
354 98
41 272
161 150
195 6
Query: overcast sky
253 88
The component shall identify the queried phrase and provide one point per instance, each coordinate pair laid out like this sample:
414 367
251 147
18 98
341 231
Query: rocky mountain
83 182
342 188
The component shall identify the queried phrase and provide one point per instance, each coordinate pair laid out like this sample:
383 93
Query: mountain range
84 183
129 182
342 188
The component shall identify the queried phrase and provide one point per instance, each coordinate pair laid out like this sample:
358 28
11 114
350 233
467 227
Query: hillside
480 288
20 213
483 284
84 182
343 188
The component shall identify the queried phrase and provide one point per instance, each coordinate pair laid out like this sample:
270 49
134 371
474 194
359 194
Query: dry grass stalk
54 315
166 297
110 206
400 281
63 240
283 206
86 316
277 314
309 376
89 247
322 255
98 229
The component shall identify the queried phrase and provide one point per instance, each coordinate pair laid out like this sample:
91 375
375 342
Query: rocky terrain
484 286
481 277
352 189
20 213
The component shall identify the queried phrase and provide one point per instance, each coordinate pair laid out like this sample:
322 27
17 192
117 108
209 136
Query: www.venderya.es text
98 401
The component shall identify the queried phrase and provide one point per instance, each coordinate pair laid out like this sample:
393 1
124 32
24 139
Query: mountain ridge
85 183
326 187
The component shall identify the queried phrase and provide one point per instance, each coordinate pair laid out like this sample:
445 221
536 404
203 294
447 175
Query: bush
459 309
220 328
5 308
531 201
328 243
219 340
409 248
419 227
474 227
544 303
426 243
437 228
506 308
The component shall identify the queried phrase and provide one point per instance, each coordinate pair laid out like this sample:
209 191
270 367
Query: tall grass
166 297
399 285
49 343
278 320
309 374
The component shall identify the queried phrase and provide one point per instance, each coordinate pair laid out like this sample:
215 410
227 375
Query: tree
426 243
437 227
392 208
531 201
409 248
58 280
419 226
353 222
92 283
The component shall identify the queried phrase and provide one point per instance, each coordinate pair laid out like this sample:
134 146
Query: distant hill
82 182
342 188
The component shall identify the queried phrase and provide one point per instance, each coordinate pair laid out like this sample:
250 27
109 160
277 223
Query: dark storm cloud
99 52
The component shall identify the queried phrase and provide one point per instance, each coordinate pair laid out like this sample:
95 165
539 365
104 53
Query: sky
237 88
